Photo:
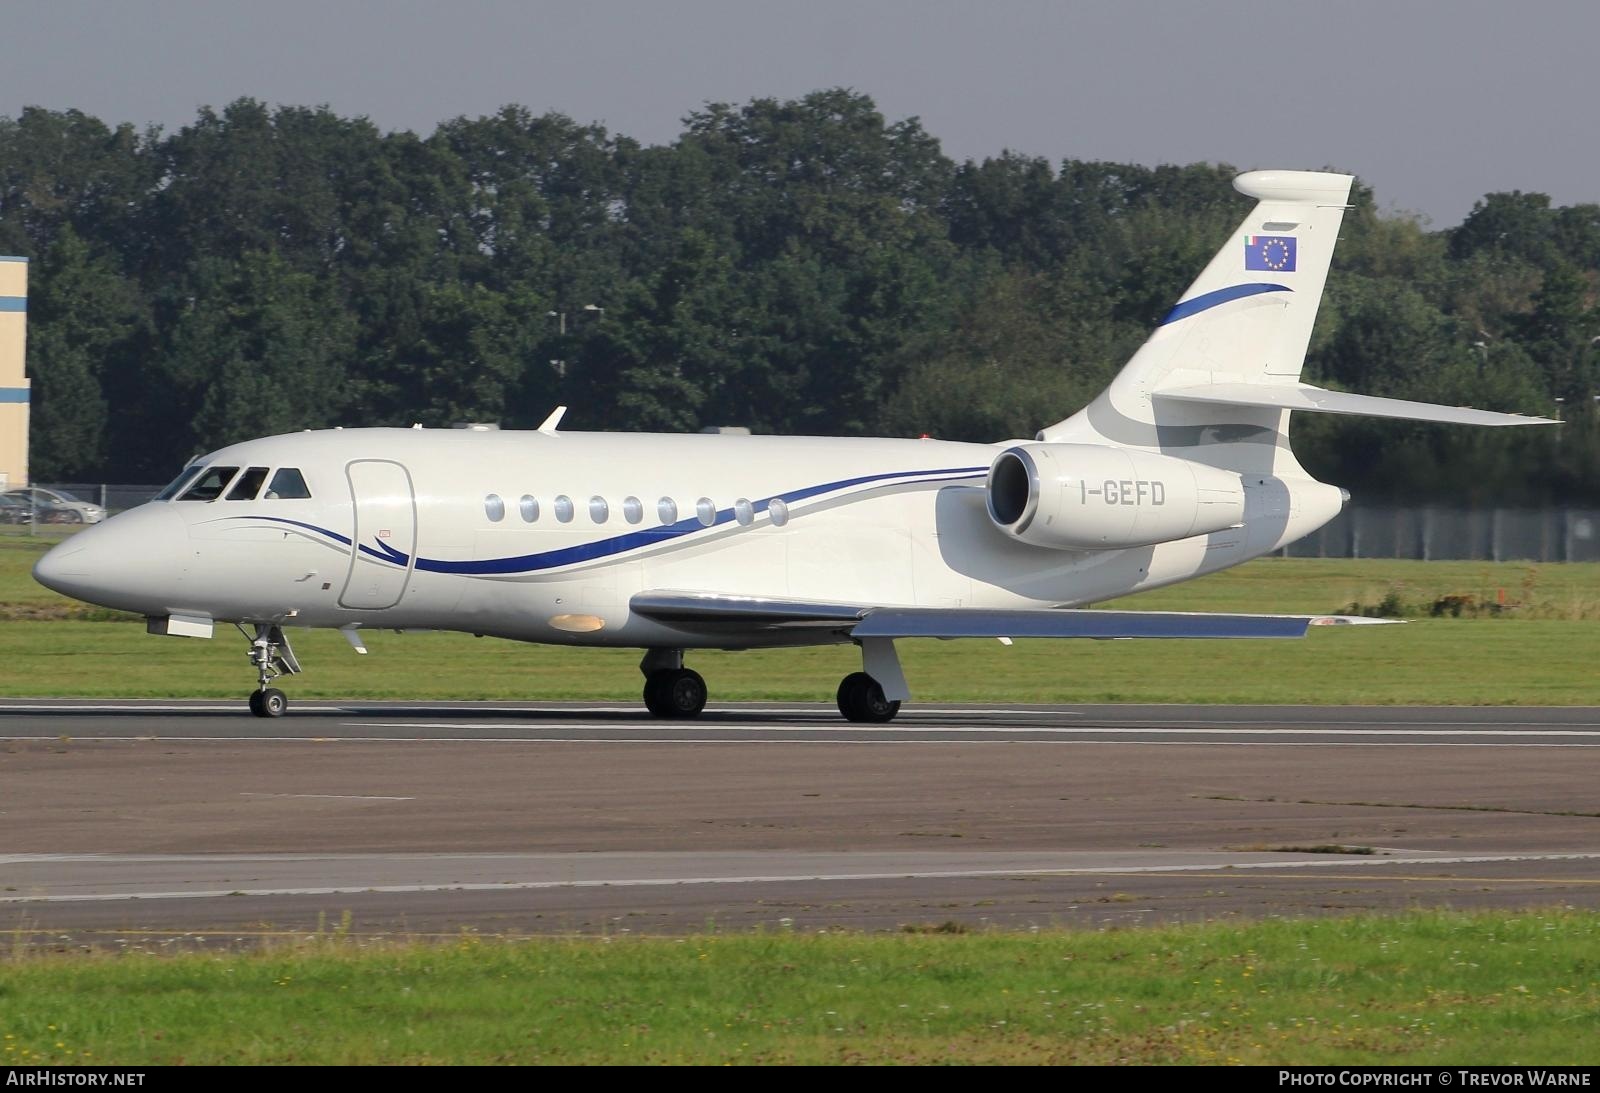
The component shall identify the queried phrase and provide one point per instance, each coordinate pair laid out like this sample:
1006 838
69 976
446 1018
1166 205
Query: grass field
1423 988
1418 988
1528 634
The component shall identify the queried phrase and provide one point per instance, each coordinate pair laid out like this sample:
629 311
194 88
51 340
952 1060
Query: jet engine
1092 497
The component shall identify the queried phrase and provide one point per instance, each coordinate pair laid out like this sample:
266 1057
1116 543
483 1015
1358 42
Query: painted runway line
814 877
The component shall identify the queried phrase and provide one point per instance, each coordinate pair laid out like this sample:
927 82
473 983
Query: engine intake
1091 497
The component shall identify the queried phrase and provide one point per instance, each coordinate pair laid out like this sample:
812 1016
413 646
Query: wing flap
1316 400
707 609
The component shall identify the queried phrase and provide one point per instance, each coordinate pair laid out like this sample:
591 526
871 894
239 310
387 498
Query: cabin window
744 512
778 509
177 485
249 485
706 510
667 509
288 484
210 484
564 509
529 507
599 511
494 507
632 509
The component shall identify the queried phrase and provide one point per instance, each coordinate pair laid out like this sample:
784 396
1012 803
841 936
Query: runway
177 822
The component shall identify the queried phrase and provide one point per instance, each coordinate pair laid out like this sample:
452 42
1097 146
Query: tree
87 327
258 349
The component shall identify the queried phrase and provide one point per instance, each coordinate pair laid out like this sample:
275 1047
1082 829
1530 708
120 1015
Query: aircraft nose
132 562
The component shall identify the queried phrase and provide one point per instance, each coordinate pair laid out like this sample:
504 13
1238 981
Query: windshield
177 484
210 484
288 483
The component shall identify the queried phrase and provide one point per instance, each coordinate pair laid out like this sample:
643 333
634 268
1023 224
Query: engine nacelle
1091 497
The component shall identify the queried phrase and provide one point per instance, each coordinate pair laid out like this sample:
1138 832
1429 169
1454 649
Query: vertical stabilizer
14 386
1246 319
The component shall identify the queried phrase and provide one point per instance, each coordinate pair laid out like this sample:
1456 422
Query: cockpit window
210 484
176 486
249 485
288 483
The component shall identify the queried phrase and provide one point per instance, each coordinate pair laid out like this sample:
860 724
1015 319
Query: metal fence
1437 533
1428 533
53 504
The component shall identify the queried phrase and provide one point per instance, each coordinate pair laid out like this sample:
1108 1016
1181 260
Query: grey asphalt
160 822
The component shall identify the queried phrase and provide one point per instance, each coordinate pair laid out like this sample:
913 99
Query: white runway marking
819 710
884 742
1008 730
1000 740
329 796
769 878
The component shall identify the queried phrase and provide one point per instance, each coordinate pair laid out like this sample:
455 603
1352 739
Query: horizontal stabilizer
1315 400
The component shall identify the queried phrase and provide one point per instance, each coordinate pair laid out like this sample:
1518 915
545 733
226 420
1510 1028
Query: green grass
1422 988
1449 662
1537 650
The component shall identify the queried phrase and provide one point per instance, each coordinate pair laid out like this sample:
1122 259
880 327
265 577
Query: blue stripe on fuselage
619 544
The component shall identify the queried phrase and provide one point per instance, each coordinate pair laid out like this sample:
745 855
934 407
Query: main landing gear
861 699
673 691
670 689
270 653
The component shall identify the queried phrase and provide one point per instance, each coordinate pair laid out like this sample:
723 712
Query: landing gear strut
270 653
670 689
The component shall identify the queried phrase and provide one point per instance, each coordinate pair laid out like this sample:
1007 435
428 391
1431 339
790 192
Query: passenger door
382 551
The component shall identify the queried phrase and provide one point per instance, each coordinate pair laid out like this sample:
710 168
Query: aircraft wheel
677 693
268 703
654 700
861 699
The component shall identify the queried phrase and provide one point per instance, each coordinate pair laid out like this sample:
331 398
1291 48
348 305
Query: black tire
678 693
861 699
655 699
269 703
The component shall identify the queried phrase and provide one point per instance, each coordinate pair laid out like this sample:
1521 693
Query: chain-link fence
1437 533
58 504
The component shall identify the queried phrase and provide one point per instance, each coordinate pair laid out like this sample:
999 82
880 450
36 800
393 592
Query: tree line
802 266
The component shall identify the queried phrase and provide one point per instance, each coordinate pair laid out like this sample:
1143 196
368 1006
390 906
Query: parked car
14 511
57 506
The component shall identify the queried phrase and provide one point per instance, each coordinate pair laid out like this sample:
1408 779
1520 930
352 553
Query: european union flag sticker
1272 253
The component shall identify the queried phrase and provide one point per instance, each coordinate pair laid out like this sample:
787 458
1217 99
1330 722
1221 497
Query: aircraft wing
708 612
699 609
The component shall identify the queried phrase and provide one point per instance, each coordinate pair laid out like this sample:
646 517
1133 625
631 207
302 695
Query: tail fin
1217 379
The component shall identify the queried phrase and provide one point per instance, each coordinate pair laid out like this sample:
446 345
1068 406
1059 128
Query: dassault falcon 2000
669 543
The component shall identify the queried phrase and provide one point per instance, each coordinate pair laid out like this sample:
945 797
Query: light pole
561 316
559 363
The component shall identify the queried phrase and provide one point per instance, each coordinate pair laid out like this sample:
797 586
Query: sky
1432 102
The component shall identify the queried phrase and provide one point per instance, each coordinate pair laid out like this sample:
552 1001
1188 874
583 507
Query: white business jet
669 543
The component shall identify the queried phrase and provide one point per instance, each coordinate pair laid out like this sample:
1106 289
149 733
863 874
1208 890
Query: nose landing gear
272 656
